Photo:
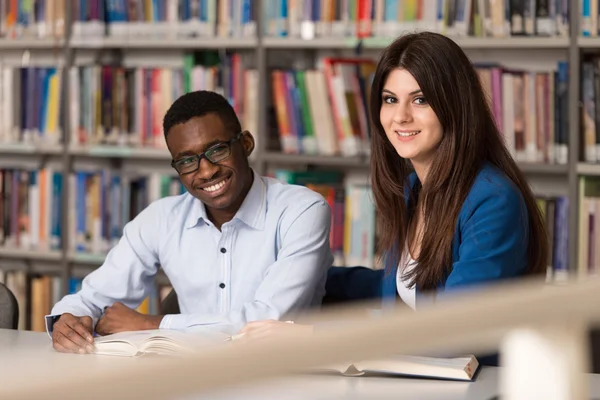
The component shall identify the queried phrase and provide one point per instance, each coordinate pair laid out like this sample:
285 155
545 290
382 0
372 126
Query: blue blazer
490 243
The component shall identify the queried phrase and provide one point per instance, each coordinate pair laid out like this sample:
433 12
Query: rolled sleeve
125 276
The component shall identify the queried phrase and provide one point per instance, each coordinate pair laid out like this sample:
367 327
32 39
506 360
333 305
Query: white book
459 368
156 341
171 342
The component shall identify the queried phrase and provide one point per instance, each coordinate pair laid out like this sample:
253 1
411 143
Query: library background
84 85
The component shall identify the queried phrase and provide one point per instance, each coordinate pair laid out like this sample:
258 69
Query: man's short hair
199 104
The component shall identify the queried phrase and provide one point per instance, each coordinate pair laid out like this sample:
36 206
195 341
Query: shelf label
110 151
351 42
17 147
377 42
89 258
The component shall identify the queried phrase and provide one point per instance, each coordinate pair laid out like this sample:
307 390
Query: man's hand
120 318
71 334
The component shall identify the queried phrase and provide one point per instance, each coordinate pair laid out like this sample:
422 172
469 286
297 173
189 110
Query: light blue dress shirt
268 262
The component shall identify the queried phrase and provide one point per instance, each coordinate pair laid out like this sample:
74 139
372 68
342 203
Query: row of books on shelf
32 19
589 225
555 211
354 222
590 110
116 105
303 18
164 18
531 110
126 106
589 19
317 111
128 18
325 111
390 18
353 234
36 294
102 202
30 104
31 209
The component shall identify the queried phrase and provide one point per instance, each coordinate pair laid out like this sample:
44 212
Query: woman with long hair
454 210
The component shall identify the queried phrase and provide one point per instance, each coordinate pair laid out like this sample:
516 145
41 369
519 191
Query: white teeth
407 134
215 187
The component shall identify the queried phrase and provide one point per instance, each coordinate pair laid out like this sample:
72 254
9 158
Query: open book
158 341
172 342
460 368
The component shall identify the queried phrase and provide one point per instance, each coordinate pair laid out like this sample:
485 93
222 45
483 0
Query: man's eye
185 161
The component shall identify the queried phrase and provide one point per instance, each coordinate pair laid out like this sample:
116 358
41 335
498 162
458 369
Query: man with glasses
237 247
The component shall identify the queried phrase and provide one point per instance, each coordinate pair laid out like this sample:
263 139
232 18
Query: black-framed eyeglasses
214 154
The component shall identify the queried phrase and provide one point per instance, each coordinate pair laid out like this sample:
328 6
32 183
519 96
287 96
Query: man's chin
216 203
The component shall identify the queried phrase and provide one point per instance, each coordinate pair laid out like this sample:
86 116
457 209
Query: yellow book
144 308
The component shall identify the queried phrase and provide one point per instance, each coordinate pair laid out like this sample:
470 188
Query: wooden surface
473 322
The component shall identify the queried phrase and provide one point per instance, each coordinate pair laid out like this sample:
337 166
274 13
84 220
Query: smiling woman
454 211
453 206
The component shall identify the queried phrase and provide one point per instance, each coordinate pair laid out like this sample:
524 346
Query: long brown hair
452 88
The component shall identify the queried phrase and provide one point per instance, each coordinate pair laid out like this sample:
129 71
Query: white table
370 388
16 346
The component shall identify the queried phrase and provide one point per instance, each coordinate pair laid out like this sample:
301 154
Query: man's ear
248 143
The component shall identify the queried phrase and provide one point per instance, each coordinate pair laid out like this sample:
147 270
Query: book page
178 342
162 341
122 343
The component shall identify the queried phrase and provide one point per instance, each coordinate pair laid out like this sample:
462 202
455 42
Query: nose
402 113
206 170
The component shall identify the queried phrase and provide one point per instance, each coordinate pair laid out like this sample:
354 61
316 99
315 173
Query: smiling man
237 247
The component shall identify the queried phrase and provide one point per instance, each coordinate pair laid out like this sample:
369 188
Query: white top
408 295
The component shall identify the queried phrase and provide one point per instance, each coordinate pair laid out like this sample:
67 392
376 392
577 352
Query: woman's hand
269 328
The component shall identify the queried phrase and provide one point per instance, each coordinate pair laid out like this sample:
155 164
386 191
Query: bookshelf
156 44
380 43
264 53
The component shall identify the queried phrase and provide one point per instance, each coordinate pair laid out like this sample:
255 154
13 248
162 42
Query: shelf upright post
573 135
261 65
66 156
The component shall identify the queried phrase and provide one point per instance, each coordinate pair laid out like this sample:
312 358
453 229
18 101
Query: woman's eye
420 100
389 99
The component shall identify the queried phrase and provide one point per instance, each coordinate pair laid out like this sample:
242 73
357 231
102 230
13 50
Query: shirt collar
252 211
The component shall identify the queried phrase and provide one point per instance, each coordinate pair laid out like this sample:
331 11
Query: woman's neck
421 170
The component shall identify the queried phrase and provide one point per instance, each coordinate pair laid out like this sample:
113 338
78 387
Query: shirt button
223 250
222 286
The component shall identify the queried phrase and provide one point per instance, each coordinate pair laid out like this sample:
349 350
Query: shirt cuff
50 320
166 322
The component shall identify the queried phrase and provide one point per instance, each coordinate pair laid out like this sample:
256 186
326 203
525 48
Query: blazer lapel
390 289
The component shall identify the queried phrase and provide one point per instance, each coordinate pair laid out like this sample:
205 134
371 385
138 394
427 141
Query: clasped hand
120 318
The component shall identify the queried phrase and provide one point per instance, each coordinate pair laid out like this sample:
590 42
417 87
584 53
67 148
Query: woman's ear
248 143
